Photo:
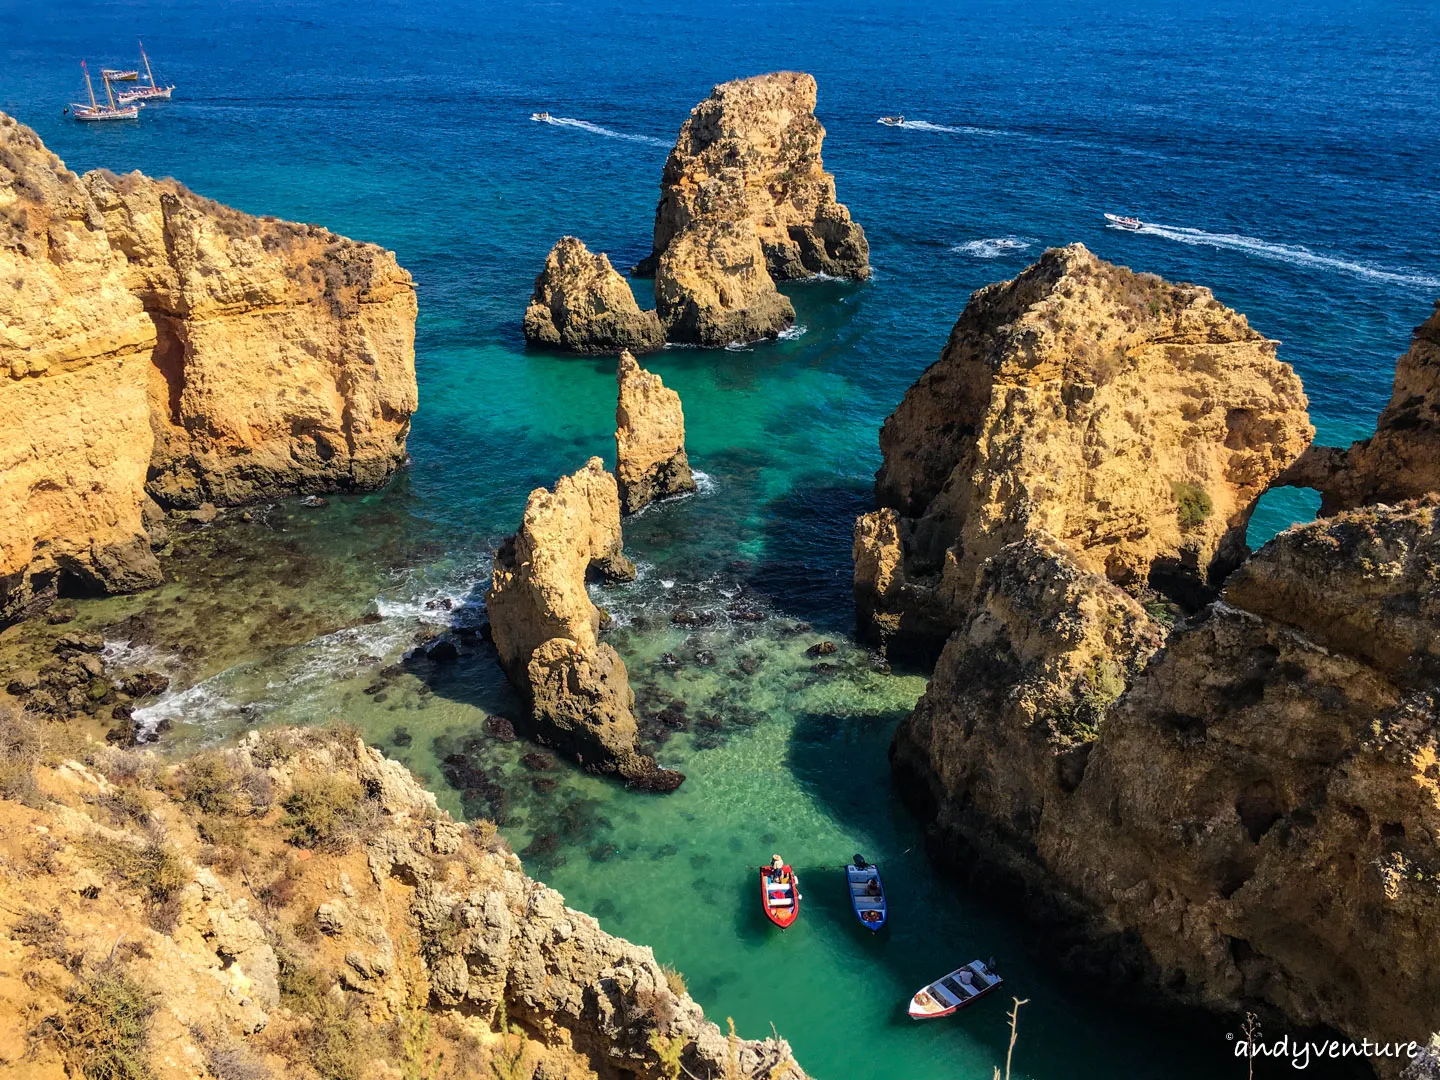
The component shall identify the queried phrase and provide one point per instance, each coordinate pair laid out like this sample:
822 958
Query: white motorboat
891 121
1119 222
954 991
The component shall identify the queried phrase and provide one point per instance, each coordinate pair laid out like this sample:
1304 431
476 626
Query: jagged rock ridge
583 305
650 459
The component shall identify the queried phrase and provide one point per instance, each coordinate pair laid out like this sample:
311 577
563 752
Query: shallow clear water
1289 157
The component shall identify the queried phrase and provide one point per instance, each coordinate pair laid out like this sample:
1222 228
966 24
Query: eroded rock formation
1402 459
650 460
546 629
745 201
152 340
751 152
298 906
1135 421
583 305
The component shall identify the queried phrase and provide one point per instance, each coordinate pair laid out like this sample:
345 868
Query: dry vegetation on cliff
296 906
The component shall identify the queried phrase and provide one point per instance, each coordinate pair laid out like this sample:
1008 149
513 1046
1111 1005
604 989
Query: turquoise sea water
1288 155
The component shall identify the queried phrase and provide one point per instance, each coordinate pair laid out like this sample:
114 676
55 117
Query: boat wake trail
994 247
964 129
596 129
1293 254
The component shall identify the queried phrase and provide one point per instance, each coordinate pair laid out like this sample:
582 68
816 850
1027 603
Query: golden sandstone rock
650 461
1402 459
154 340
745 201
582 304
546 629
297 905
1135 421
1236 810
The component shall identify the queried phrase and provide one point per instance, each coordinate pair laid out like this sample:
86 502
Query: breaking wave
994 247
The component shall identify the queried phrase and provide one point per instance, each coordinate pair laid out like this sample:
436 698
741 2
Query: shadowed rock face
546 629
1135 421
751 152
156 341
583 305
1402 459
650 460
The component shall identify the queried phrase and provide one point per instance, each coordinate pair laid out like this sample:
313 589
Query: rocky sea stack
297 906
1135 421
649 439
1230 802
546 629
157 346
581 304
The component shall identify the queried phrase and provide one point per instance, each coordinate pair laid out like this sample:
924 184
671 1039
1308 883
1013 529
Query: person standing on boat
777 868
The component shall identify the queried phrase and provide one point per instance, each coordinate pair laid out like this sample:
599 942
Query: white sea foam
704 483
792 333
962 129
596 129
1293 254
994 247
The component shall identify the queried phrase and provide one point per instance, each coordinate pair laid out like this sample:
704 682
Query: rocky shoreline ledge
298 906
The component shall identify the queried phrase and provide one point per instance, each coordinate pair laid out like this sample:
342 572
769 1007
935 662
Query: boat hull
936 1000
781 903
872 911
89 117
159 93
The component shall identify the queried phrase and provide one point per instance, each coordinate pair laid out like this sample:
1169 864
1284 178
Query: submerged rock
649 438
1135 421
545 627
582 304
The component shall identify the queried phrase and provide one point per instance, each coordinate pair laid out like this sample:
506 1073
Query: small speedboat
1119 222
780 893
867 894
542 116
954 991
891 121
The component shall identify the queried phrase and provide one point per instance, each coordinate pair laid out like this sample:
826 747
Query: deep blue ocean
1286 155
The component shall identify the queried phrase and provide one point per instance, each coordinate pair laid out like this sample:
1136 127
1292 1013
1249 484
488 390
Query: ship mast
106 80
148 73
88 85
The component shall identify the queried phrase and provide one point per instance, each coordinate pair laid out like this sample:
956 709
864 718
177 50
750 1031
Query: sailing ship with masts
96 111
149 90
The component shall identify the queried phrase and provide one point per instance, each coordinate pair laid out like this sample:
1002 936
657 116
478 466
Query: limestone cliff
286 354
712 288
581 304
298 907
751 152
1402 459
650 460
154 340
546 630
75 348
1252 822
1135 421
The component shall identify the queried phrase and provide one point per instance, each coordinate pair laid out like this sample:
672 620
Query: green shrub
322 811
1192 503
209 783
105 1033
155 870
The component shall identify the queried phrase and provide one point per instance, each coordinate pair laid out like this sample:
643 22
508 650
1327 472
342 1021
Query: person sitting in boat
873 888
966 977
777 870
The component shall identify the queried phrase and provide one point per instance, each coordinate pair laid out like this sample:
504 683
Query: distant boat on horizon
151 92
96 111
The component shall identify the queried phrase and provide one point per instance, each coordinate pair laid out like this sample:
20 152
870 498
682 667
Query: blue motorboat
867 893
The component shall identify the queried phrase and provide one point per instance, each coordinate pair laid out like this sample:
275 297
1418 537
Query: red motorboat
780 893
